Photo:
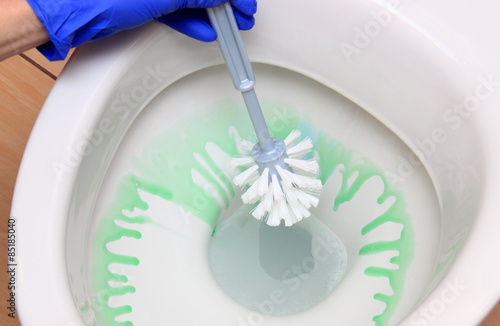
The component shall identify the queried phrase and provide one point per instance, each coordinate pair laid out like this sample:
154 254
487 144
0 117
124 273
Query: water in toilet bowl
165 196
286 270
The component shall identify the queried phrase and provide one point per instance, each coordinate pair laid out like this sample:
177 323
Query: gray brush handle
240 69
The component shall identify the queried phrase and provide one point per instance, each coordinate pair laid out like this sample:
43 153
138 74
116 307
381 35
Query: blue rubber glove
71 23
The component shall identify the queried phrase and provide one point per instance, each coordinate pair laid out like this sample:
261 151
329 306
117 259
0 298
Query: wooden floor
25 82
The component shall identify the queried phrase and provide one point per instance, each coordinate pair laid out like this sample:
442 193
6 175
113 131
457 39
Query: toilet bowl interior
386 109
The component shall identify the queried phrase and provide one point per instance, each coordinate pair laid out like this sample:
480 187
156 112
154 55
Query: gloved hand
71 23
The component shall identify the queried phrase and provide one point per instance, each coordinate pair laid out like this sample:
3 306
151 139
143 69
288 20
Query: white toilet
125 174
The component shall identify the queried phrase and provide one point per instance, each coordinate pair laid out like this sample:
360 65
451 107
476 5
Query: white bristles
299 211
305 199
281 195
302 182
310 166
246 145
242 161
279 207
300 149
293 136
258 189
244 177
273 218
265 204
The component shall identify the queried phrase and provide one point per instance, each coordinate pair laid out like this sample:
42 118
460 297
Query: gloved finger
245 22
246 7
192 22
195 23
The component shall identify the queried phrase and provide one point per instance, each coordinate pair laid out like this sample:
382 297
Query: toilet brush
282 184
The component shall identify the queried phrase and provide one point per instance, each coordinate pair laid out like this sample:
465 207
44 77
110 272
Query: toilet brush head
283 185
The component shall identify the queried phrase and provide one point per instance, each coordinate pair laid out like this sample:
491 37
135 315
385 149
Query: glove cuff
70 24
57 48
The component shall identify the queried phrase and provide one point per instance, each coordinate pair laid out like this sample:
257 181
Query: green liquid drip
166 168
332 155
168 162
127 199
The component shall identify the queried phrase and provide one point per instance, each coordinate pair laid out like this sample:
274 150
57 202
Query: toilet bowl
400 99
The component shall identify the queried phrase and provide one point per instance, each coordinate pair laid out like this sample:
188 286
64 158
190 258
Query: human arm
20 28
71 23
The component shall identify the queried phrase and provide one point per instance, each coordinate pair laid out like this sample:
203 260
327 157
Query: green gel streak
332 155
165 170
167 163
378 247
127 198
